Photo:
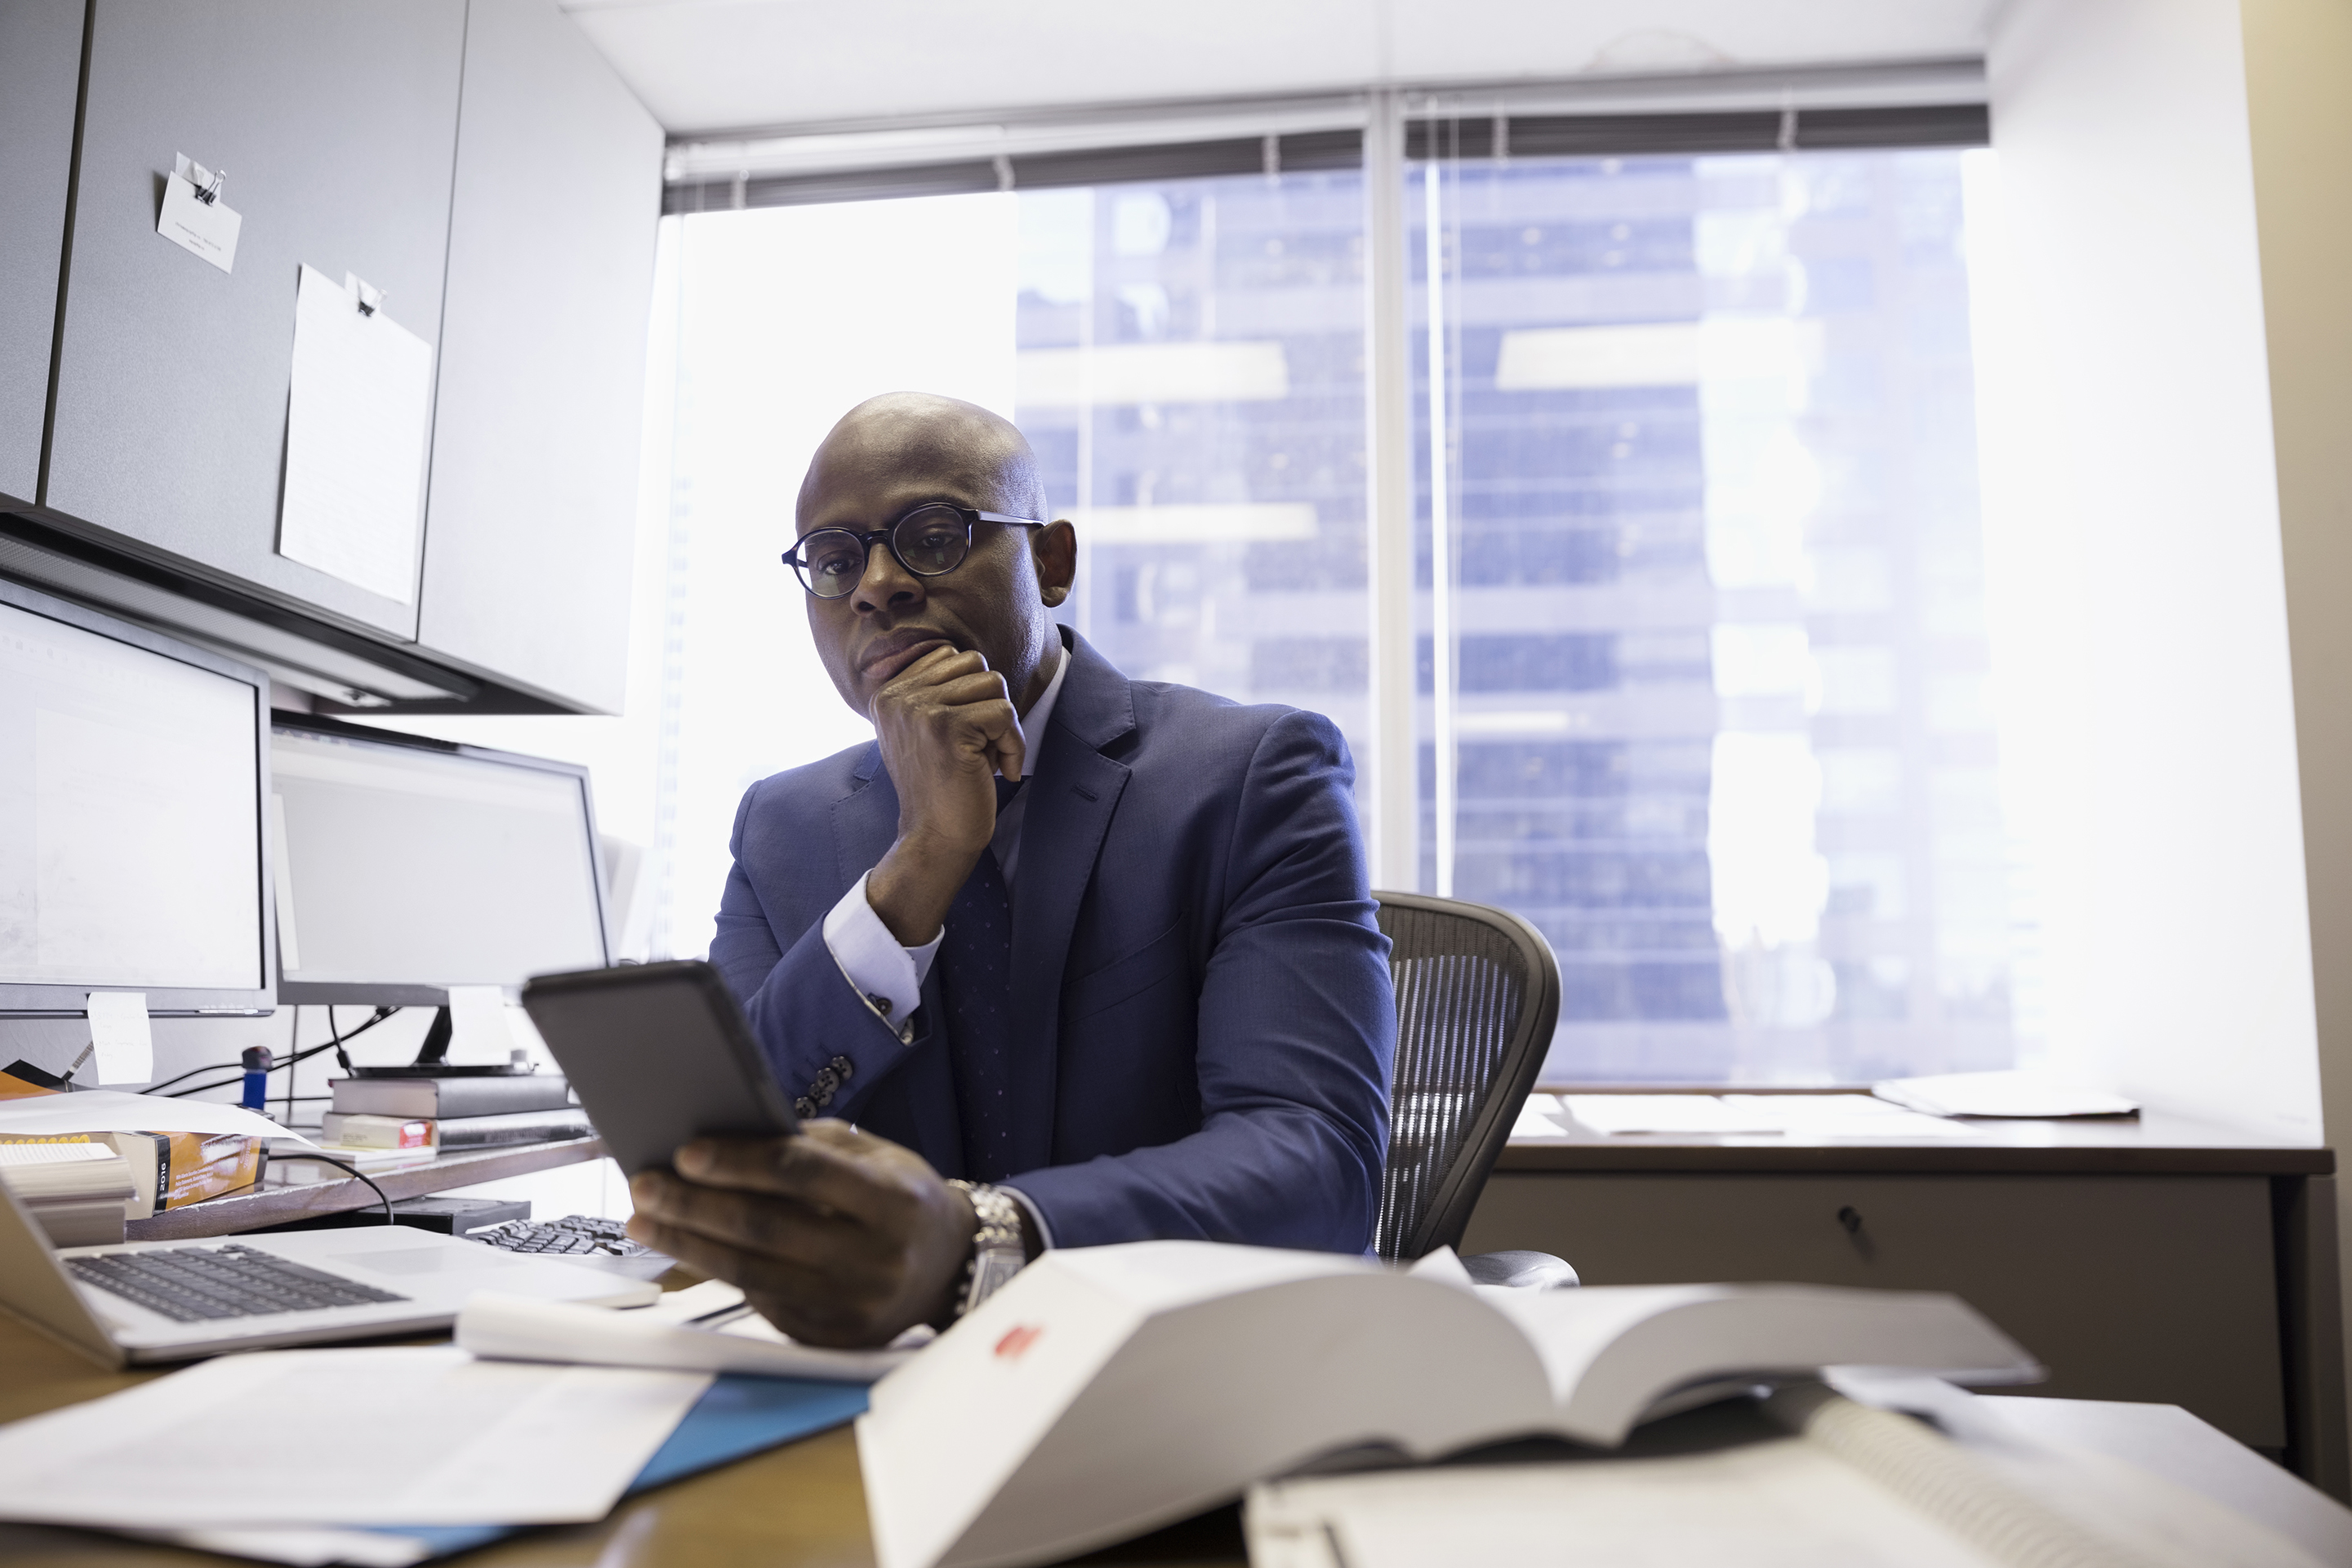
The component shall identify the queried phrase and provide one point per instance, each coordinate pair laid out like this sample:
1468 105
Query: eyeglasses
930 541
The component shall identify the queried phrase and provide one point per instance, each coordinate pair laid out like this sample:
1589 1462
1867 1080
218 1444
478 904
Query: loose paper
2020 1092
355 430
113 1110
1791 1115
517 1328
118 1028
419 1436
202 228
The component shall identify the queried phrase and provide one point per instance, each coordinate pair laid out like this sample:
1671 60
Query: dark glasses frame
866 539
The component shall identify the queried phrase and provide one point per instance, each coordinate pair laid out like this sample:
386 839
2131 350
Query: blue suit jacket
1201 994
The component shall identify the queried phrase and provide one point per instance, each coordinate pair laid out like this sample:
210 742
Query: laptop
173 1301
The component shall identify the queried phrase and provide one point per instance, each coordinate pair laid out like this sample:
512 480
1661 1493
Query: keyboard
193 1284
573 1234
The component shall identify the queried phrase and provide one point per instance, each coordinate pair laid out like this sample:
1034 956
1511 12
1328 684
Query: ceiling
711 66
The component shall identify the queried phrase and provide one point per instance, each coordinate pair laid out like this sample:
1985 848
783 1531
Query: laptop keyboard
193 1284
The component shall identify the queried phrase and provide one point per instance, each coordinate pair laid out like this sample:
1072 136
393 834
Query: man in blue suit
1059 959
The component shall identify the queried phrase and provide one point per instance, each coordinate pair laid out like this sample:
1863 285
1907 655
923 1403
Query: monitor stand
431 1058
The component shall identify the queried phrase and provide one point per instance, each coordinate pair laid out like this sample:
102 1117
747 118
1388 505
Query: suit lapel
865 825
1077 790
865 821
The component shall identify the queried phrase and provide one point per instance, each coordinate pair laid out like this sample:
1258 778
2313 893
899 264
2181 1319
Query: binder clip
210 191
364 294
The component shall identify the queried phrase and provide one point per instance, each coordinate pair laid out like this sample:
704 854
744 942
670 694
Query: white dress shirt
890 976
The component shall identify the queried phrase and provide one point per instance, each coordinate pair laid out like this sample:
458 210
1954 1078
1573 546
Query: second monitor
407 865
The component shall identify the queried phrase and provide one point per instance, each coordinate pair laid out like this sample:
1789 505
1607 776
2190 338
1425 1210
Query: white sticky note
478 1018
355 432
202 228
118 1028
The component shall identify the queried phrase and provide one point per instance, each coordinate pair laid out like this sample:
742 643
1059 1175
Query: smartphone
659 1054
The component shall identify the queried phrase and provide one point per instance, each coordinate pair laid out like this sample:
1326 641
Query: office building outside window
1703 640
1190 373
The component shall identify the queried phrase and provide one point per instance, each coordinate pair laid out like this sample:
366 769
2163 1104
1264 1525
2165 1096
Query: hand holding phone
659 1054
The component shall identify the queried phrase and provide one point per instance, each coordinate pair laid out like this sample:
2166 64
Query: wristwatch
997 1253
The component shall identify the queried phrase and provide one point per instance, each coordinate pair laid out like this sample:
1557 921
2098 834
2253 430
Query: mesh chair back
1478 991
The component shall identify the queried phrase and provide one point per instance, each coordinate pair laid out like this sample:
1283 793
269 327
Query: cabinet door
40 65
335 122
531 518
2157 1288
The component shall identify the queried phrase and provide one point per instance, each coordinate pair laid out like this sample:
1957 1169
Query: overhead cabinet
532 512
40 61
334 123
487 177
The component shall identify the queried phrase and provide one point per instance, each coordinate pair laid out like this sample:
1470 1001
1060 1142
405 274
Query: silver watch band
997 1253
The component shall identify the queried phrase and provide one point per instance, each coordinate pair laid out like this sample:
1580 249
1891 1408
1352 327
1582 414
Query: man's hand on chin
835 1236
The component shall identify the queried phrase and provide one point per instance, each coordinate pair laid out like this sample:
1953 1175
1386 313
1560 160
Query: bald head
957 442
892 454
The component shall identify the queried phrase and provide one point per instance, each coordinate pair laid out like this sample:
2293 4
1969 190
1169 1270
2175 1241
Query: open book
1107 1391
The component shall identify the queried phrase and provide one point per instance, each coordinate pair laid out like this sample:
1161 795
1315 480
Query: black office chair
1478 991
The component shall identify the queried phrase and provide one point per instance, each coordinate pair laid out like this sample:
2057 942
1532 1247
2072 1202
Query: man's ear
1055 547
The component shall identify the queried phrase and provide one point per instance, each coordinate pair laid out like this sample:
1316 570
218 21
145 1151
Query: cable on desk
389 1217
335 1045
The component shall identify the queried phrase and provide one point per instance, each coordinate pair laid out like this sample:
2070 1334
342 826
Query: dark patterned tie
976 972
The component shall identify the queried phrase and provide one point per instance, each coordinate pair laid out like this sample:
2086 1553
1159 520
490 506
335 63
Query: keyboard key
573 1235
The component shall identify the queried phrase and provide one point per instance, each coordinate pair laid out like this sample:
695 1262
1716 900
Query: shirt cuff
887 975
1037 1215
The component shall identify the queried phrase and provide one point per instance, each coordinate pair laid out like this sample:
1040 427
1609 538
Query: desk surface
804 1506
2152 1144
277 1201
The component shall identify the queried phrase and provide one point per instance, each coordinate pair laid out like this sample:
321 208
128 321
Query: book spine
443 1098
364 1131
501 1097
149 1154
457 1135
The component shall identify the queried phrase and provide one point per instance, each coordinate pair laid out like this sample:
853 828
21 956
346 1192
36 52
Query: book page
1783 1504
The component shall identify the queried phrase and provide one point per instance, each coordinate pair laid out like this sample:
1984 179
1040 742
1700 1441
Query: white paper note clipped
355 430
478 1024
202 228
119 1029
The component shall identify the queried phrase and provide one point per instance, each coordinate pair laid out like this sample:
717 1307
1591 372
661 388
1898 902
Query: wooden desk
2161 1260
277 1200
803 1506
800 1506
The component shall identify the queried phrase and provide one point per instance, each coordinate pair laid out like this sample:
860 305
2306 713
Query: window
1700 644
1191 373
1703 642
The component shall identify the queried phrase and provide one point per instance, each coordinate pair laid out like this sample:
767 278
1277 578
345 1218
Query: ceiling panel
710 66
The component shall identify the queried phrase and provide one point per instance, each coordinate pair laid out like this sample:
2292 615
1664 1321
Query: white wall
2133 539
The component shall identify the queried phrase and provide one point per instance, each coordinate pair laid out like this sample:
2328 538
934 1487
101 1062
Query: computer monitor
133 856
407 865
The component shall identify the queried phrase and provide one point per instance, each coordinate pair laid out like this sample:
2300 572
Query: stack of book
168 1170
77 1188
445 1114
